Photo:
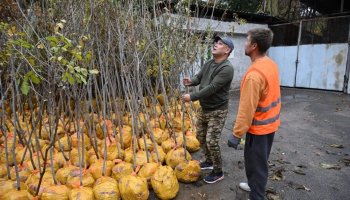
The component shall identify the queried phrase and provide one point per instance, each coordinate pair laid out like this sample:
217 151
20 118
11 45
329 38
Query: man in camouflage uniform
214 80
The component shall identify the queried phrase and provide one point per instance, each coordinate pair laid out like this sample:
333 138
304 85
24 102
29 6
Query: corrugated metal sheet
285 57
322 66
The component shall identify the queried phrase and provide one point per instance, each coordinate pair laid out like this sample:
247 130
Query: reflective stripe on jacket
267 115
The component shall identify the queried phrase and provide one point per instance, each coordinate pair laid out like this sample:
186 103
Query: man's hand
186 81
186 98
233 141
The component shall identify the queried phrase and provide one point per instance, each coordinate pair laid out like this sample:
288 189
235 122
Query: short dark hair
262 37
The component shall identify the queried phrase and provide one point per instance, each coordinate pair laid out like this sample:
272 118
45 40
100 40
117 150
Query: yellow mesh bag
62 174
75 158
127 135
129 155
3 170
23 172
149 144
55 192
114 151
168 144
147 171
188 172
18 195
106 188
176 156
192 143
141 157
73 178
63 144
133 187
161 155
81 193
121 169
164 183
159 135
8 185
96 169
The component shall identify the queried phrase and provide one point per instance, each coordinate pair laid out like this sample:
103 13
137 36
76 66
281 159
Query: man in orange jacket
259 112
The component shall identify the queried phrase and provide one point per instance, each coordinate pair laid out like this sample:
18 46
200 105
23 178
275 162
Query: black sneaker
214 177
206 165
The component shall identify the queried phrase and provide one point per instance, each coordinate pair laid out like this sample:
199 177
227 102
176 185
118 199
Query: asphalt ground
310 156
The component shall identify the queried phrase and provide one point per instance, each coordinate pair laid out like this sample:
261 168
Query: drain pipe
347 70
297 60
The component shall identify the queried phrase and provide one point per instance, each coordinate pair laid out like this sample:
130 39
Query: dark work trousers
256 154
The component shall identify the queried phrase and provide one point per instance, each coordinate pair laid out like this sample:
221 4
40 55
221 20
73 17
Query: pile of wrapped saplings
95 156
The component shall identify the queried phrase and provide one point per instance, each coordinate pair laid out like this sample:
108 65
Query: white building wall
238 32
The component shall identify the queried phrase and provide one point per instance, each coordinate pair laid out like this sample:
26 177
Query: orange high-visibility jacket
267 115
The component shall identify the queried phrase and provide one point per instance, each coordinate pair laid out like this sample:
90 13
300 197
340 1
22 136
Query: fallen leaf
330 166
346 161
302 187
301 166
271 190
273 197
277 176
298 171
336 146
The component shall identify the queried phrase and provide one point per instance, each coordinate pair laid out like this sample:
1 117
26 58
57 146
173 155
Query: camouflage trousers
209 127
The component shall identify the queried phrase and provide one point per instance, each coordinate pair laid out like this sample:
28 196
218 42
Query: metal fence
312 31
315 51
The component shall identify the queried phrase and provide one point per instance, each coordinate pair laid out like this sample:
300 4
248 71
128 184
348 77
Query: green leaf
25 87
70 79
83 79
93 71
78 56
35 79
77 69
84 71
88 56
52 39
31 61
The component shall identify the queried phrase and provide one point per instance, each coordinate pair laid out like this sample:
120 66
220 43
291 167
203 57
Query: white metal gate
317 57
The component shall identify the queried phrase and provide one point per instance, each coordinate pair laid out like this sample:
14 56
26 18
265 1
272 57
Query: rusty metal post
347 70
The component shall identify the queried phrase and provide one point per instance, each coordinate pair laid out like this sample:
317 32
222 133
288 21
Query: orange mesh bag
106 188
188 171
